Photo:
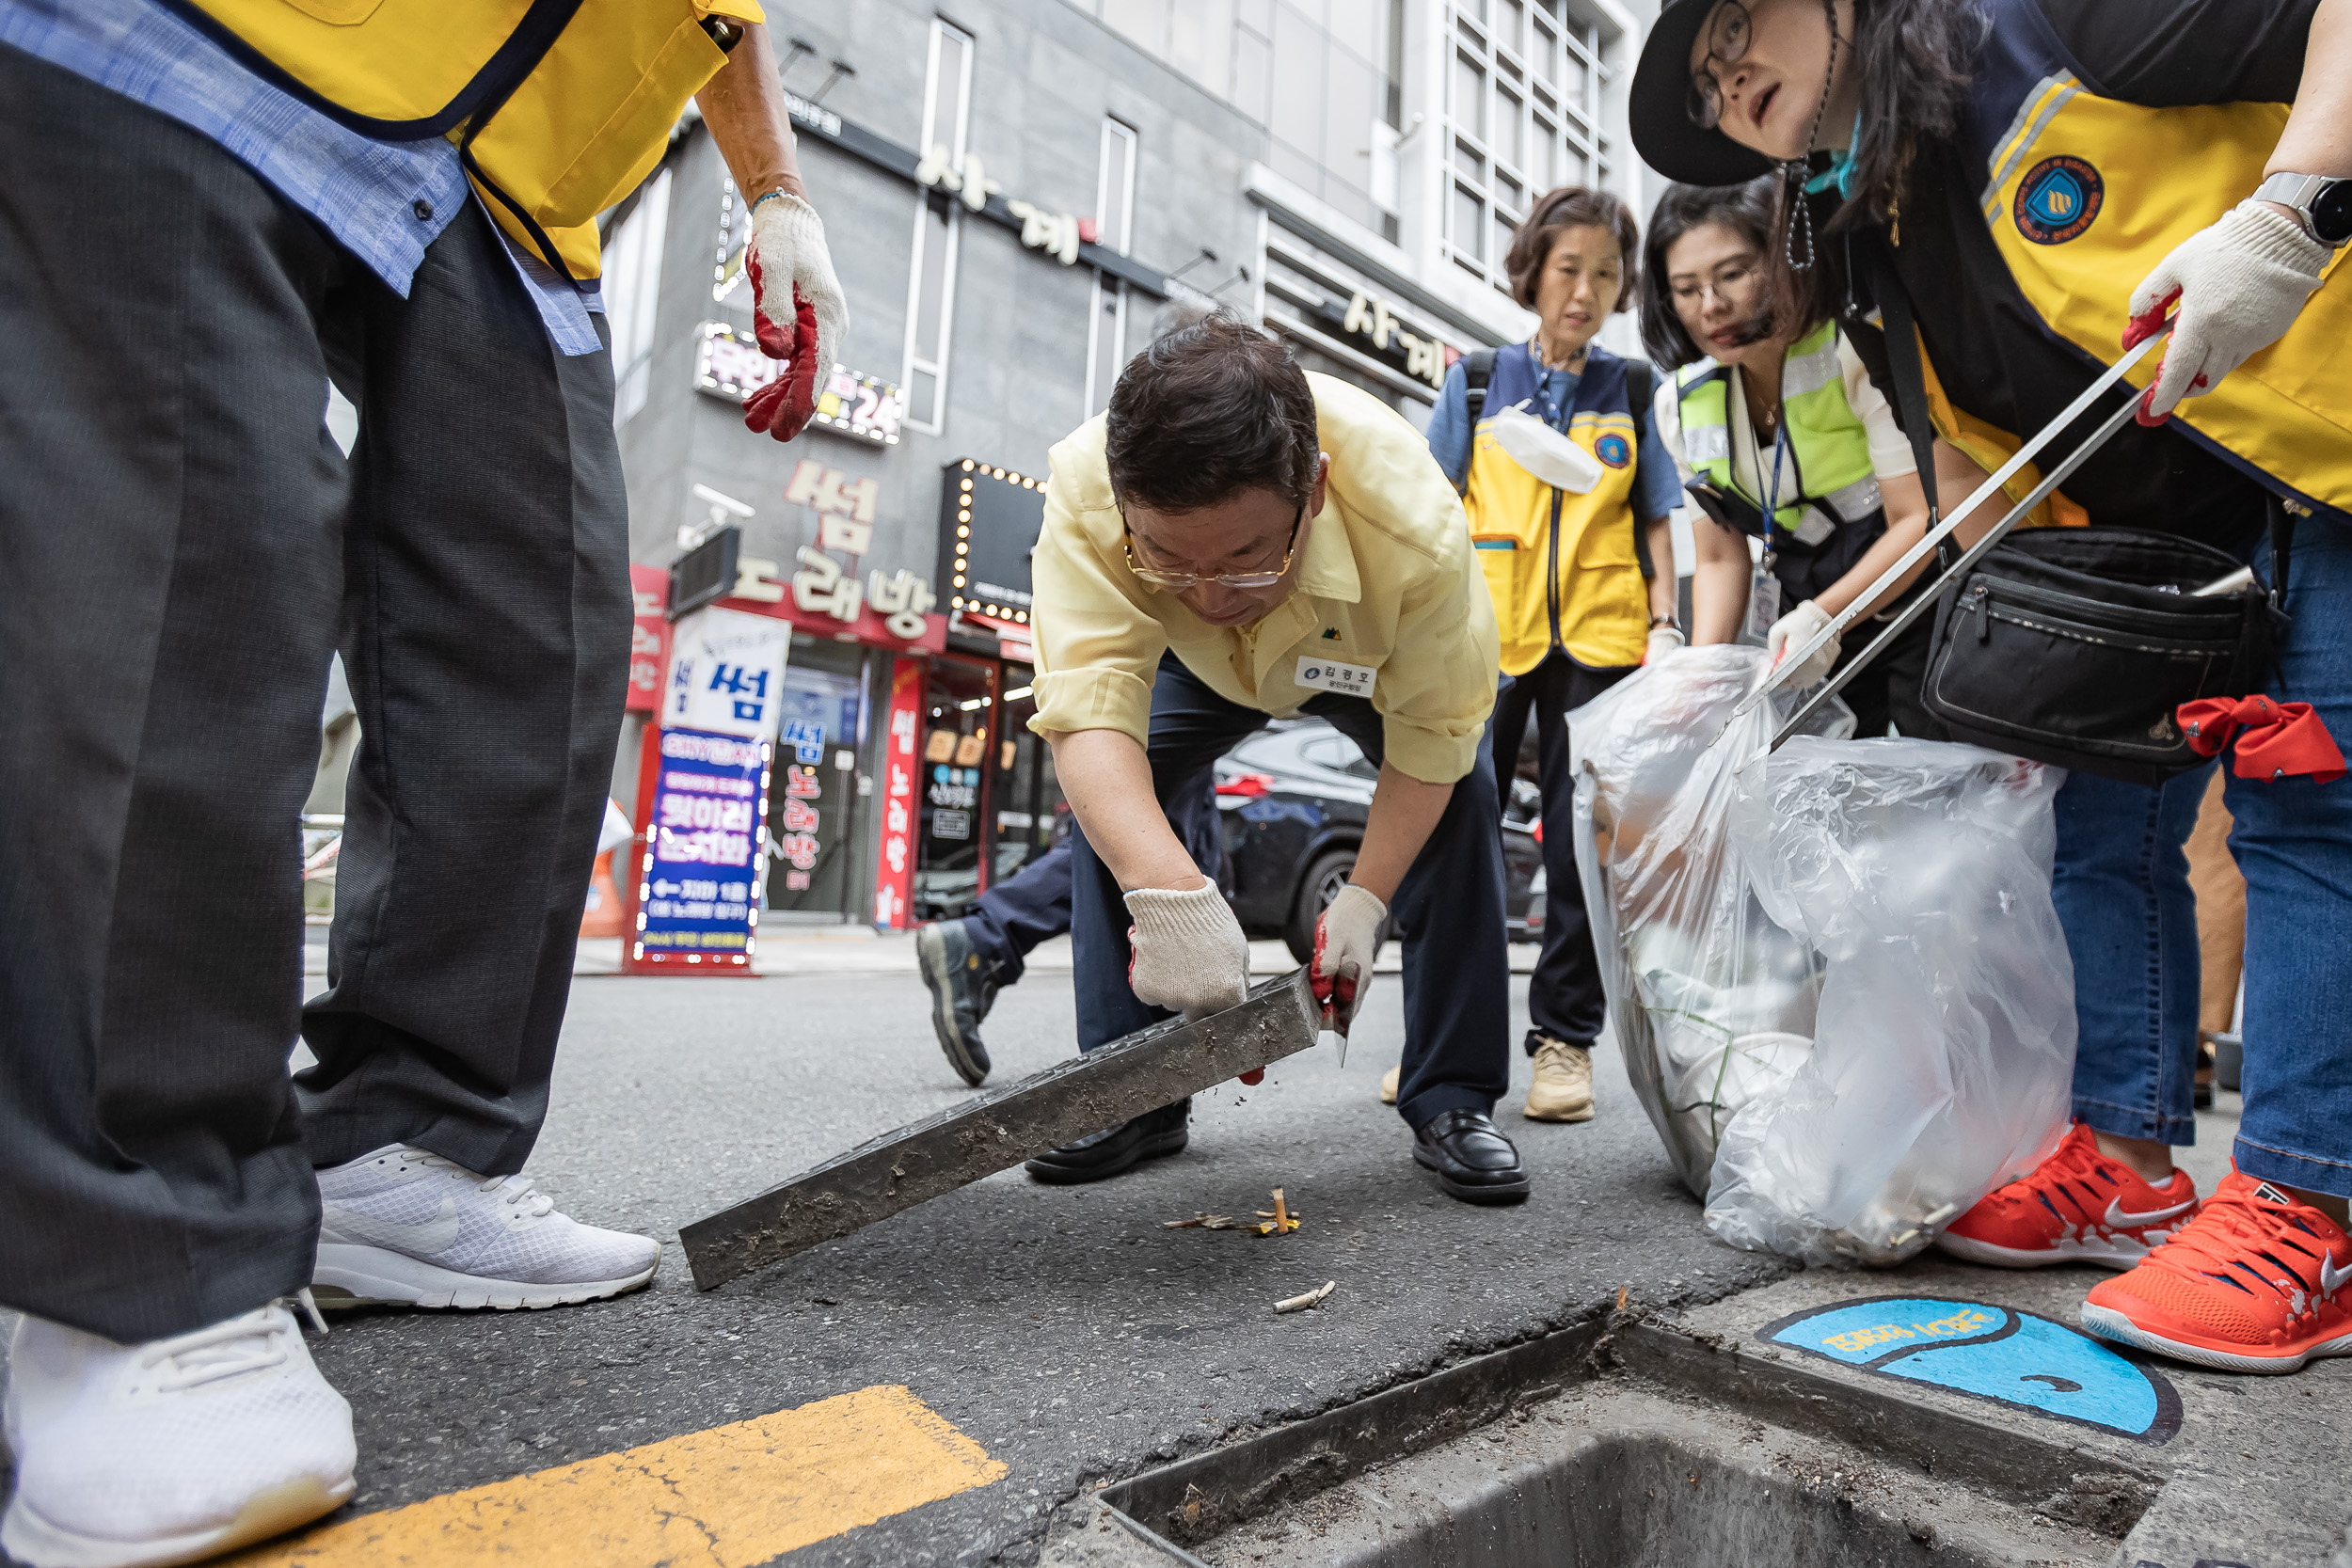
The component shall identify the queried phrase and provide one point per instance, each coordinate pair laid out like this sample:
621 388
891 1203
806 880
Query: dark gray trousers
182 548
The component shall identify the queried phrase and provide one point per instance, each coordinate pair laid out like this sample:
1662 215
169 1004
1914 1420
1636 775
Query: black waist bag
2074 646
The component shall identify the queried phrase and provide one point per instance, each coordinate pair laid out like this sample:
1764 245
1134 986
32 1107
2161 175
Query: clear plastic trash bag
1834 972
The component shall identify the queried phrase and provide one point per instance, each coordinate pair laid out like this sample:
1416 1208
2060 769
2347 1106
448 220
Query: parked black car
1293 800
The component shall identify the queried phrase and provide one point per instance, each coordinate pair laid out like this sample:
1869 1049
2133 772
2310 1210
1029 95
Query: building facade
1014 192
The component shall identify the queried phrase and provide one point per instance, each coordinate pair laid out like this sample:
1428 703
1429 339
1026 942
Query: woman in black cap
2015 166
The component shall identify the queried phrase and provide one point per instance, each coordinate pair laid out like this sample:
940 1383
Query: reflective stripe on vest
1829 449
2085 195
564 106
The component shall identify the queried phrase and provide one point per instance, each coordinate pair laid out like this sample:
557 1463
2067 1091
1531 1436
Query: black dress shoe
963 988
1100 1155
1473 1162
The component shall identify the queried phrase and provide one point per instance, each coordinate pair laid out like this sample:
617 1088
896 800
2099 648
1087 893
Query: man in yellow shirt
1234 541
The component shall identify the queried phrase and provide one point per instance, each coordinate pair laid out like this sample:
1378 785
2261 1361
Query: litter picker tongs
1921 603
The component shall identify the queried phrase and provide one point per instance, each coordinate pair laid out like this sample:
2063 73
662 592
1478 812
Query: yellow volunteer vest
1561 567
564 106
2085 195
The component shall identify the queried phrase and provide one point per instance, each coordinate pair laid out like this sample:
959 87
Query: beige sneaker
1563 1087
1387 1085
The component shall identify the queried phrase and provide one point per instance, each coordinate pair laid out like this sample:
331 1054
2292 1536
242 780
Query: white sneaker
410 1228
129 1456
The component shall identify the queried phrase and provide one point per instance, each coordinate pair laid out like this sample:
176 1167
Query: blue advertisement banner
698 900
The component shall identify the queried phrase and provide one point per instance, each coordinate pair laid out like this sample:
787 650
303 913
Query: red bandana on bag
2280 740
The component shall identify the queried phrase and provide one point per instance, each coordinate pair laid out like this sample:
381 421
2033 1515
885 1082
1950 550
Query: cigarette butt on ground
1281 1213
1312 1298
1621 1290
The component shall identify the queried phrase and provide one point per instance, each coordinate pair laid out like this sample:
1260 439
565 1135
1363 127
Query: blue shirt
383 202
1657 487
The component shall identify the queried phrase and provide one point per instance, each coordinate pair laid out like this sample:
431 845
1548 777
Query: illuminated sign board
989 519
729 364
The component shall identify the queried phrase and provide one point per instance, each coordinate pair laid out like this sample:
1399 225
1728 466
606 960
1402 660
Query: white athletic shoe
410 1228
130 1456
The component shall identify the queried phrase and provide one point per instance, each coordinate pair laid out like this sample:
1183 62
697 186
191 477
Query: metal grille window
938 224
632 287
1523 111
1115 207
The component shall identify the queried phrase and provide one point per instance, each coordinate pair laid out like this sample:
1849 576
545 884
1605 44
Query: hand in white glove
1663 641
797 309
1791 632
1189 953
2241 283
1347 938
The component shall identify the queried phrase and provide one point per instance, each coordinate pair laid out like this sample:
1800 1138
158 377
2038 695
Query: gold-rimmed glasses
1178 581
1727 33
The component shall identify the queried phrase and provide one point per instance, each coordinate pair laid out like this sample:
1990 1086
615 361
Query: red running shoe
2079 1206
2256 1283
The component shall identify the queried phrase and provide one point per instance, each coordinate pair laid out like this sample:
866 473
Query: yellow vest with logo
563 107
1561 567
2085 195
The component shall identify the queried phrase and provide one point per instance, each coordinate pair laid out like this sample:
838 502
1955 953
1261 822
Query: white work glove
1793 631
2241 283
1663 641
1347 938
797 309
1189 953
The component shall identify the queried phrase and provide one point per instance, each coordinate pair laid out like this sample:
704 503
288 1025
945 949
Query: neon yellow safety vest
1829 451
563 107
1561 567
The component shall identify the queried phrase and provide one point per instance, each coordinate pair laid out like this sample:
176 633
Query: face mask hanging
1544 451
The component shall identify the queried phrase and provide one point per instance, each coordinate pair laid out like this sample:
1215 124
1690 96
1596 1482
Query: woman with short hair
1551 444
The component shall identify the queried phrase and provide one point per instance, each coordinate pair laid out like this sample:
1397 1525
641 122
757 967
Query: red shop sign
894 876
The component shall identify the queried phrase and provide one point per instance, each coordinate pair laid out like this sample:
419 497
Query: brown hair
1556 212
1207 411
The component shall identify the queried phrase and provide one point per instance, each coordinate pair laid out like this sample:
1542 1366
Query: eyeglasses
1178 581
1727 35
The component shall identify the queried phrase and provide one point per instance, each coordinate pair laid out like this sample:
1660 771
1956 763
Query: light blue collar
1840 171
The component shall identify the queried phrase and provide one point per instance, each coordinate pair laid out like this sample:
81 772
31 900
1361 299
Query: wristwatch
2322 204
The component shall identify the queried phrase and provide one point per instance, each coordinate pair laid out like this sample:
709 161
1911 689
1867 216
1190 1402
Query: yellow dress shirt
1388 581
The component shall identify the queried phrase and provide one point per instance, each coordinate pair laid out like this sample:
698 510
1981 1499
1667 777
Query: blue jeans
2123 895
1448 913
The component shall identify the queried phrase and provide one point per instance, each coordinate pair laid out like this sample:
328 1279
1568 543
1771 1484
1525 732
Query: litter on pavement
1312 1298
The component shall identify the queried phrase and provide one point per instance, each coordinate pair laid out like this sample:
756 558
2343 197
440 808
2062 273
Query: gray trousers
181 549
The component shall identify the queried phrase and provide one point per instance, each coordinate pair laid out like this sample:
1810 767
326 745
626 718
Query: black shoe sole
1158 1146
930 953
1465 1192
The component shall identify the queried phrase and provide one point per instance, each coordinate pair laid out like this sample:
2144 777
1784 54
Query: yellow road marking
729 1497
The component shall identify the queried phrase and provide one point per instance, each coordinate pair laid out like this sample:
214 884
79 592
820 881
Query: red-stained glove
2280 740
1347 938
797 311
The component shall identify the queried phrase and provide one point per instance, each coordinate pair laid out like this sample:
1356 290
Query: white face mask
1544 451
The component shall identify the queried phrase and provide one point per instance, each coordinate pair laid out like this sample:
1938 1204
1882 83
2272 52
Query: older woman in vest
1767 400
1551 444
2043 181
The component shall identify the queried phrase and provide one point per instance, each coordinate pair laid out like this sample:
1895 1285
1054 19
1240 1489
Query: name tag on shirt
1348 680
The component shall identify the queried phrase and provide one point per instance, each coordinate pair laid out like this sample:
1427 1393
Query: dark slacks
1448 913
181 549
1033 904
1564 995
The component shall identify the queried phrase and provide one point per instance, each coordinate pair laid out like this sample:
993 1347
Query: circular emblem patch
1613 450
2057 200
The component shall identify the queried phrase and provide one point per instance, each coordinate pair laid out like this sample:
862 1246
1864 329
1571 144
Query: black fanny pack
2076 646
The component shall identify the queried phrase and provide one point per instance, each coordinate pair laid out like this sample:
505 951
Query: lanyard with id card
1763 586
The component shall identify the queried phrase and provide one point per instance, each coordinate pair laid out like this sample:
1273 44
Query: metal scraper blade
998 1130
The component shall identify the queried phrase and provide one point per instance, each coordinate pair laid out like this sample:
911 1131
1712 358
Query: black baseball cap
1659 107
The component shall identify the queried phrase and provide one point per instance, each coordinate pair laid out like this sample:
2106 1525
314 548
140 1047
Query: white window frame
637 245
1570 41
912 362
1114 192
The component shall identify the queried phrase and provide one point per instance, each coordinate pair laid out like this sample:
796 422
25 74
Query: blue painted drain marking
1992 1353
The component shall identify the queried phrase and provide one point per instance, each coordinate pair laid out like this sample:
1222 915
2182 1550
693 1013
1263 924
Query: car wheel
1326 875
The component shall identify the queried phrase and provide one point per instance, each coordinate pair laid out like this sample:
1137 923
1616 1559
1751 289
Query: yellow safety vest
563 107
2085 195
1561 567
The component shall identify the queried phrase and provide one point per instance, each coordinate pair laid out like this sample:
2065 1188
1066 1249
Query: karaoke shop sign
705 804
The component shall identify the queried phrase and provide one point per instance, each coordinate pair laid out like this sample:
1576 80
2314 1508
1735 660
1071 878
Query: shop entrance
813 823
1028 811
954 801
